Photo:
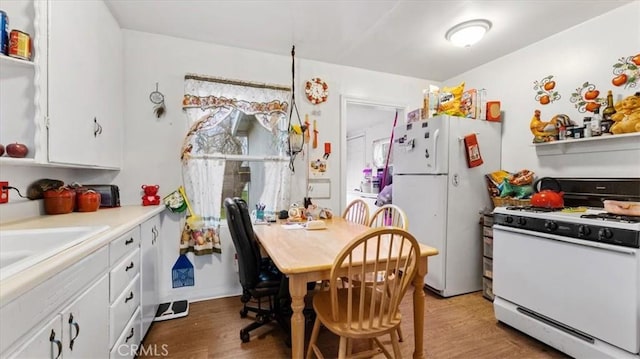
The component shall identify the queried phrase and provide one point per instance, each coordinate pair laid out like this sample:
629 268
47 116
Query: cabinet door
150 235
85 72
86 323
45 343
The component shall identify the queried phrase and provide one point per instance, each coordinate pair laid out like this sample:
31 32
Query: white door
86 323
424 200
150 234
45 343
355 161
85 81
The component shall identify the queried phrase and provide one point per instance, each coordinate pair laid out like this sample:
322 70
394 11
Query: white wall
153 145
583 53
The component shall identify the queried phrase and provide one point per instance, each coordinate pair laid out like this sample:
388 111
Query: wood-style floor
457 327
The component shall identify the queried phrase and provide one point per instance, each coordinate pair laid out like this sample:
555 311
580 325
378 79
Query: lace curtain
215 162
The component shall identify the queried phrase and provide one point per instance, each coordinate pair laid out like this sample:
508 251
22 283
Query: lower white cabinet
102 306
86 323
80 331
150 235
45 343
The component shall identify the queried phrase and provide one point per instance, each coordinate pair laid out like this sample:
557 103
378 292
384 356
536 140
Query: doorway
366 128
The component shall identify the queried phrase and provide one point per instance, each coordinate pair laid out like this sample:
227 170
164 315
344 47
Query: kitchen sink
22 248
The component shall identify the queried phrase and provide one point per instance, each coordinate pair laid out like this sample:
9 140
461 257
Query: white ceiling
404 37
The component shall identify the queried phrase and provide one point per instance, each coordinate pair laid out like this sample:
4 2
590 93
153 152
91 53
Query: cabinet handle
129 297
128 241
97 128
128 267
129 336
52 339
73 324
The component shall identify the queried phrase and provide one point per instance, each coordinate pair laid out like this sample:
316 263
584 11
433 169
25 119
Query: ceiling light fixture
468 33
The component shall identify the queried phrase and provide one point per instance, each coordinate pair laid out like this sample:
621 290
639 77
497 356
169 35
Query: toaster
109 194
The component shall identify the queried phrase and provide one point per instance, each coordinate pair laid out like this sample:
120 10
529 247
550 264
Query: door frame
345 101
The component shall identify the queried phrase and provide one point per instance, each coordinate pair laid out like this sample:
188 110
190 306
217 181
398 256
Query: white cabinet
85 81
79 293
86 323
150 235
45 343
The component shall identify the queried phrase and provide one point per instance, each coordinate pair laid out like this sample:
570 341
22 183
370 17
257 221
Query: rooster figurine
542 131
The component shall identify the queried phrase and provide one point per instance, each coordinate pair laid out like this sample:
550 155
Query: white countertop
364 194
120 220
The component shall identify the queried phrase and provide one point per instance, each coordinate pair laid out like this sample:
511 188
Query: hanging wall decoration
627 72
546 93
316 90
157 98
586 98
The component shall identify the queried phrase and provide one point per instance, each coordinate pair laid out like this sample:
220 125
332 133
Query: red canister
20 45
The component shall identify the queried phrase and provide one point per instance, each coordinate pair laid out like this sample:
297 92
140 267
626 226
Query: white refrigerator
443 198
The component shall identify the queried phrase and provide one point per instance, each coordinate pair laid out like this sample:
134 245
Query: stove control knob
508 219
583 231
522 221
550 226
605 233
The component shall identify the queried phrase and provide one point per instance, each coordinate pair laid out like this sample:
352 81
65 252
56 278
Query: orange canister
20 45
59 201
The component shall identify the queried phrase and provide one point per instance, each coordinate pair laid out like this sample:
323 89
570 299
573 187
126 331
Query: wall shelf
606 143
12 61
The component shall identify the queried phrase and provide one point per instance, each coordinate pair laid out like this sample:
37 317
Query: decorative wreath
316 90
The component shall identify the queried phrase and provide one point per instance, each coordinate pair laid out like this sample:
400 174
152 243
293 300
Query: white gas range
572 279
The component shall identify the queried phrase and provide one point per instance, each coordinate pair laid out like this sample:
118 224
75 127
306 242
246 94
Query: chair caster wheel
244 336
261 318
243 313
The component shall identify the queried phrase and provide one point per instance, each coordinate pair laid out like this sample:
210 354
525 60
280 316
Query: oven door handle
603 246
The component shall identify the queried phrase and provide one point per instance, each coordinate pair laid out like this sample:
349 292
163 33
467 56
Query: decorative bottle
609 110
596 119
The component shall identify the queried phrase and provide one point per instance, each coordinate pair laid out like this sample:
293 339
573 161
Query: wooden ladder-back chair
357 211
389 215
367 310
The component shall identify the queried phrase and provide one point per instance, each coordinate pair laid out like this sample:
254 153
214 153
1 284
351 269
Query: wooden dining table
305 255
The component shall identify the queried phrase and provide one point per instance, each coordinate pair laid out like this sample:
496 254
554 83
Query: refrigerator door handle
436 134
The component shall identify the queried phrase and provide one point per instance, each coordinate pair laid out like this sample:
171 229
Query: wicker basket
510 201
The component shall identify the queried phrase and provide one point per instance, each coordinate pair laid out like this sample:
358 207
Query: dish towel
474 159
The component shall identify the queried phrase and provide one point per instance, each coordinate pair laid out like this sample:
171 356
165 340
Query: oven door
588 286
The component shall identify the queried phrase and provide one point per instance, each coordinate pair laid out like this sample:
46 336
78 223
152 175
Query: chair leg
342 352
395 344
314 337
400 339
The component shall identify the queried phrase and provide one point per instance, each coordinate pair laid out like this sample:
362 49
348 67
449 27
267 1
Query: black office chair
259 281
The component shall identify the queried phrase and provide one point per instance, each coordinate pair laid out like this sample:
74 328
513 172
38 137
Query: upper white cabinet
66 104
84 84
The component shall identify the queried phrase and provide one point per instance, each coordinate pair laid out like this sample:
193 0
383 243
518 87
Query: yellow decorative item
543 131
627 116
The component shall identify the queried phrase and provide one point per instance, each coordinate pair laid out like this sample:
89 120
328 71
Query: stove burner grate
533 209
612 217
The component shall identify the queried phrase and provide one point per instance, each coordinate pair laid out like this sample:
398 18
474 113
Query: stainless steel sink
22 248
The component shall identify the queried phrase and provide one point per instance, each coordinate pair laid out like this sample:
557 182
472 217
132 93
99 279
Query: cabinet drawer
122 309
127 343
126 243
487 231
123 273
25 312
